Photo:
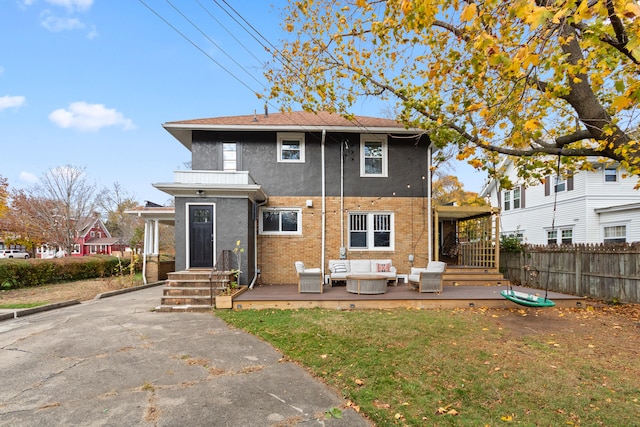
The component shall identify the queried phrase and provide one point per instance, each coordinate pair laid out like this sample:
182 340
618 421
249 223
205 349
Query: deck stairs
191 290
474 276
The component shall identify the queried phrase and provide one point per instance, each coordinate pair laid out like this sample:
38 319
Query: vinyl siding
575 209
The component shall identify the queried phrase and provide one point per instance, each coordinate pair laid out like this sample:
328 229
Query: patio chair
309 279
428 279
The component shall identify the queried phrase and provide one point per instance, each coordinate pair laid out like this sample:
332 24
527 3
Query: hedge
15 273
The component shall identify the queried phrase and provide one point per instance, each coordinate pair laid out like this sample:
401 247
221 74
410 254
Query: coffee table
366 284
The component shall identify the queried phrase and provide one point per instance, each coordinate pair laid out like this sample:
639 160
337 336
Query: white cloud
89 117
57 24
12 101
28 177
72 4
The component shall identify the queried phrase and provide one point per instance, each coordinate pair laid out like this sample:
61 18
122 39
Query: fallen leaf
507 418
359 381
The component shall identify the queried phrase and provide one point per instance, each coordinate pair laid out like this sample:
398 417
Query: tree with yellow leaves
531 79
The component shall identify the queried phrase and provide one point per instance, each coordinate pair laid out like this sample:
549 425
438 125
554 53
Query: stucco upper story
589 207
291 154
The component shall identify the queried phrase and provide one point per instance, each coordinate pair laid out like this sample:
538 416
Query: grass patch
460 367
23 305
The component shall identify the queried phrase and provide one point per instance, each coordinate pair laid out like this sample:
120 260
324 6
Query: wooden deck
337 297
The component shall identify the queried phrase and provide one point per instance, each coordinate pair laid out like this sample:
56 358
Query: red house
94 239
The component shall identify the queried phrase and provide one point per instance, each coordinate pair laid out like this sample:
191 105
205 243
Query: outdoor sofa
341 268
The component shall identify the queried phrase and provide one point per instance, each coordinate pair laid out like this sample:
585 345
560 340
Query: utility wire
228 31
214 43
199 48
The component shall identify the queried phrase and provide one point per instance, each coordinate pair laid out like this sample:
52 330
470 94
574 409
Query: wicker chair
428 279
309 279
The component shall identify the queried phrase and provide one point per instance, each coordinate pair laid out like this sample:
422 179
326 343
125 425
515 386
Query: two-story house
93 238
599 206
301 186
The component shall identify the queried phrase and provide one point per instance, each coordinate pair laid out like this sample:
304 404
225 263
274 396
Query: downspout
255 244
324 185
429 208
342 194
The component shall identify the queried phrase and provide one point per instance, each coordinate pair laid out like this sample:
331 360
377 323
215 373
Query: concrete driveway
116 362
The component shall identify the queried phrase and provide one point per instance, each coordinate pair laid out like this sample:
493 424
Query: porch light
200 192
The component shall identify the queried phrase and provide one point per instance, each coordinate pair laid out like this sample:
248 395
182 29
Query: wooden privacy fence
607 272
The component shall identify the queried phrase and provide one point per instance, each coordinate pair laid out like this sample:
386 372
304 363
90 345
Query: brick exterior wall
277 254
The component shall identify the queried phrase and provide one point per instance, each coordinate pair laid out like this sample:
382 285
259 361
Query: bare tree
64 199
113 202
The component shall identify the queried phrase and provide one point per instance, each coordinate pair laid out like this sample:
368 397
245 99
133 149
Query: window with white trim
611 174
371 231
559 236
516 198
291 147
560 183
614 233
373 156
507 200
76 248
229 156
281 221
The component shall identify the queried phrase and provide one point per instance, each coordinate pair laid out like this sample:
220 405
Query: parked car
13 253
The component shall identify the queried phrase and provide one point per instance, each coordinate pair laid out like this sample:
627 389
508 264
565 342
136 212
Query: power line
213 42
198 47
270 48
228 31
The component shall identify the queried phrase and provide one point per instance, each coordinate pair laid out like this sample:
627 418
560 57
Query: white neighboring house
592 207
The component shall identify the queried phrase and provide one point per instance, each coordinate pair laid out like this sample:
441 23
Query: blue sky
90 82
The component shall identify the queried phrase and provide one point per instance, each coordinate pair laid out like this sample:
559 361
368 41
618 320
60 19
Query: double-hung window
615 233
374 161
560 183
610 174
567 236
507 200
371 231
290 147
516 198
281 221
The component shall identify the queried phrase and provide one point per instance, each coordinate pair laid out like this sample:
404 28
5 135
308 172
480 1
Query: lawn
81 290
475 367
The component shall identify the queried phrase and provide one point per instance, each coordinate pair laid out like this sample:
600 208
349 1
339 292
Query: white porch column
156 234
145 240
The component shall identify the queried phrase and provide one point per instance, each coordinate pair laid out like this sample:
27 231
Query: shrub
38 272
511 243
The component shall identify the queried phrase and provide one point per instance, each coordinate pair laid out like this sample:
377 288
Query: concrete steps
191 290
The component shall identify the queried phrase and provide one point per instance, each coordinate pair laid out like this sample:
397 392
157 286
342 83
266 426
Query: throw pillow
383 268
339 268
